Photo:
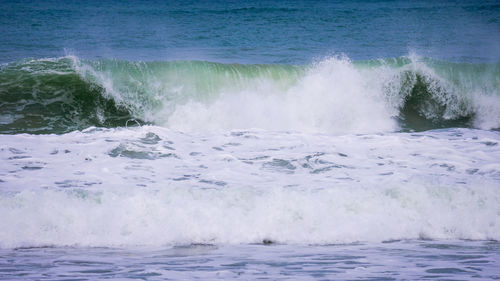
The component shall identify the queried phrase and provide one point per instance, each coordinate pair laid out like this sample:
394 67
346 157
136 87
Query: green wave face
334 95
151 91
48 96
441 94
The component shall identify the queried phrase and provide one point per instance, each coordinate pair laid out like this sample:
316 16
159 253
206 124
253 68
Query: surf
151 186
333 95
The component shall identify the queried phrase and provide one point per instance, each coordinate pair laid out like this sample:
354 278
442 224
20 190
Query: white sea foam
153 186
332 96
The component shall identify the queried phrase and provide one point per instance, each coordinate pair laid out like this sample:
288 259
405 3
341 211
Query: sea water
223 140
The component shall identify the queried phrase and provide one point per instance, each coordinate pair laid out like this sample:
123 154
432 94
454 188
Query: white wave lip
153 186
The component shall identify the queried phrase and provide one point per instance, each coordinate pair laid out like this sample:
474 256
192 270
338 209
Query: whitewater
155 186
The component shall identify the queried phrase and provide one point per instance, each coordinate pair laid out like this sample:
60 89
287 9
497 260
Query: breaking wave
334 95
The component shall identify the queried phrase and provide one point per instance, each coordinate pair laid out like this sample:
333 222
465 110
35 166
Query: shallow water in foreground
411 260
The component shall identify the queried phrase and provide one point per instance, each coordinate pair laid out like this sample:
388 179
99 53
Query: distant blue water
154 140
285 32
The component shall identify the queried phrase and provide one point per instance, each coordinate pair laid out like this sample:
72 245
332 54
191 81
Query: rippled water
412 260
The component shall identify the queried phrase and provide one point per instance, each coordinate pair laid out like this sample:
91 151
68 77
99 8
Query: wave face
334 95
49 96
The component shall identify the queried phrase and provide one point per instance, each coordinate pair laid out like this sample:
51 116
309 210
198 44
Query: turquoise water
262 139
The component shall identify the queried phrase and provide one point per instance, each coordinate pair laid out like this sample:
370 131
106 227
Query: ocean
280 140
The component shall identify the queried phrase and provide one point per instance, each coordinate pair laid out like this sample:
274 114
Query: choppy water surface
415 260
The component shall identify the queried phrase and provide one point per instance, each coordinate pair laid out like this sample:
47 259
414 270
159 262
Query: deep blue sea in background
332 140
285 32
